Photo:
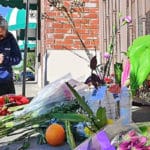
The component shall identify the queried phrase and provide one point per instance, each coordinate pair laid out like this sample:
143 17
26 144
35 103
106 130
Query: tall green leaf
118 72
72 117
70 138
81 101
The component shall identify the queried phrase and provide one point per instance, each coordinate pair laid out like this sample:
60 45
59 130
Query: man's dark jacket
12 55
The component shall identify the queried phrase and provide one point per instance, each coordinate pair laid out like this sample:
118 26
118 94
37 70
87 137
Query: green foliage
72 117
31 61
119 14
96 122
101 117
118 72
139 55
80 100
41 136
25 145
70 138
99 120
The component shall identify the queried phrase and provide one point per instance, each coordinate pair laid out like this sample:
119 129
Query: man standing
9 55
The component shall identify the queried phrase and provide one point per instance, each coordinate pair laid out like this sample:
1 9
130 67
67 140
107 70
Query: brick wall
59 34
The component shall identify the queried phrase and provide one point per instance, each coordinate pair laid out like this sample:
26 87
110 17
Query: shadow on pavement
33 146
141 114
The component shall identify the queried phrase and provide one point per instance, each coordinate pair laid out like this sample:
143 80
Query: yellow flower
88 132
110 121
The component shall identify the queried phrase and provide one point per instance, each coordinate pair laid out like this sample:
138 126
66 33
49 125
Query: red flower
18 99
24 100
2 100
108 80
115 89
12 99
4 111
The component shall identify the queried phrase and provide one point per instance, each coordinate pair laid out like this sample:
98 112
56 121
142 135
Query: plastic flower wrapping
53 98
119 137
50 95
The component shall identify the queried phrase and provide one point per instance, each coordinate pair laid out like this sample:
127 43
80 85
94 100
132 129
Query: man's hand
1 58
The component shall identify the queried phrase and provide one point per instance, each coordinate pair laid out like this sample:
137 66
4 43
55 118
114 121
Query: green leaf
80 100
118 72
41 137
9 124
25 145
16 108
101 117
6 99
114 29
110 48
139 55
70 138
72 117
120 14
144 130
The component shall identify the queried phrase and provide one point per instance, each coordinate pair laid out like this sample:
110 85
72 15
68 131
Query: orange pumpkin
55 135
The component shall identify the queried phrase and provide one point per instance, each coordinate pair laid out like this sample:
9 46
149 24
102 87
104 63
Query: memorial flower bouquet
118 137
135 138
63 100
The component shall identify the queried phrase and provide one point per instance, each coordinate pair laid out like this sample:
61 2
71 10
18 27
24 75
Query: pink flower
147 147
127 19
67 93
107 55
124 145
142 140
132 133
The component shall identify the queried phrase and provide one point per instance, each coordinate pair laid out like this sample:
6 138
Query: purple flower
127 19
107 55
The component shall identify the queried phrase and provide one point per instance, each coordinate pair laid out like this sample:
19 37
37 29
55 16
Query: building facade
139 10
95 26
60 37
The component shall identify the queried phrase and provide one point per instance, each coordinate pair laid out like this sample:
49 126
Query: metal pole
26 49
